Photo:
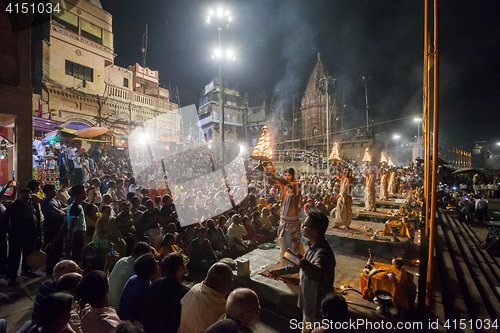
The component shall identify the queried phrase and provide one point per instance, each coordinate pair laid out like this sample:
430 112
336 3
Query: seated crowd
127 257
113 259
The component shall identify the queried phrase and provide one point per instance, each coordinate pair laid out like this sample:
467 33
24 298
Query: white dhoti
370 204
289 236
383 193
391 187
343 214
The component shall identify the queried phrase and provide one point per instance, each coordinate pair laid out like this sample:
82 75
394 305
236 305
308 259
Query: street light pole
222 18
366 101
221 107
327 80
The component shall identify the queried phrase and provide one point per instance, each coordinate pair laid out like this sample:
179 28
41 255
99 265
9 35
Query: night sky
276 43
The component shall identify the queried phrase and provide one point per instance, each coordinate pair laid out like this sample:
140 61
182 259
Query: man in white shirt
77 168
235 233
481 207
200 200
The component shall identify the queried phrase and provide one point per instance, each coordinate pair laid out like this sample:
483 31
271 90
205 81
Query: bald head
64 267
220 278
243 306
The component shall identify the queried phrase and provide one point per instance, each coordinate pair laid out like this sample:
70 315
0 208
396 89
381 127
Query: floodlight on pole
221 17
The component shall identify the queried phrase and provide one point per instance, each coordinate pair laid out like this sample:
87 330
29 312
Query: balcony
118 92
144 99
159 105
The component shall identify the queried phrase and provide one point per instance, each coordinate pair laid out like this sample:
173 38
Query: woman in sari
91 216
200 253
107 234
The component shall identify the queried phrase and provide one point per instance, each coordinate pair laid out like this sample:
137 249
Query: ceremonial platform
358 240
279 298
392 203
381 214
351 247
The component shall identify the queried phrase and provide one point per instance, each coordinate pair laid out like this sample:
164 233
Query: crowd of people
119 253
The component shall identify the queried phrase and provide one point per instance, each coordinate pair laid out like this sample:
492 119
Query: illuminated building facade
77 82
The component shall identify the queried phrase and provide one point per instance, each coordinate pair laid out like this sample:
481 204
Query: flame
382 158
262 149
335 153
367 157
390 162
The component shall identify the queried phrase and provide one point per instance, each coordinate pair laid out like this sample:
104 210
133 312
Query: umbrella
91 132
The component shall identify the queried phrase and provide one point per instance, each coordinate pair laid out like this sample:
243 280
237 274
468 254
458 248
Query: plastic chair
28 327
3 326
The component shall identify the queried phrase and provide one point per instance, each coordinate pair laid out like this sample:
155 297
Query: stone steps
468 278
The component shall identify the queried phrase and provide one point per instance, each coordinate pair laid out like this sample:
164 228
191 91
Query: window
107 39
92 32
79 71
125 82
66 20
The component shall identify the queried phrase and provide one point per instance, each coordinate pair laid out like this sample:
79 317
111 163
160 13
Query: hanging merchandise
46 170
3 149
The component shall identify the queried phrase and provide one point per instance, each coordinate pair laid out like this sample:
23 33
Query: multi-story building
209 113
313 111
78 84
257 117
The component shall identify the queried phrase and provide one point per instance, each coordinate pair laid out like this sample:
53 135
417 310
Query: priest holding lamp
371 177
343 214
289 232
384 179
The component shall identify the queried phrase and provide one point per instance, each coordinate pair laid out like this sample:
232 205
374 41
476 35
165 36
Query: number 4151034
33 8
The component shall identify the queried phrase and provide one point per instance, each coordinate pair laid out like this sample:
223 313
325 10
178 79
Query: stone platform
357 240
380 215
279 299
393 203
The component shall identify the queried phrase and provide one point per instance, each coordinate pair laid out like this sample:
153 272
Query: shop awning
69 131
45 125
120 137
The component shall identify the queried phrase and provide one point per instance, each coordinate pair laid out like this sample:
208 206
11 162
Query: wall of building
16 91
209 111
105 100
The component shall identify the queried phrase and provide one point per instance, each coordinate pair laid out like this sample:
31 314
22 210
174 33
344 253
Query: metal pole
418 138
327 79
293 126
434 155
425 118
366 100
327 129
221 108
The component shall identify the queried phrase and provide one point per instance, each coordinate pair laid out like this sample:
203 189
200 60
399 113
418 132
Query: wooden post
432 226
